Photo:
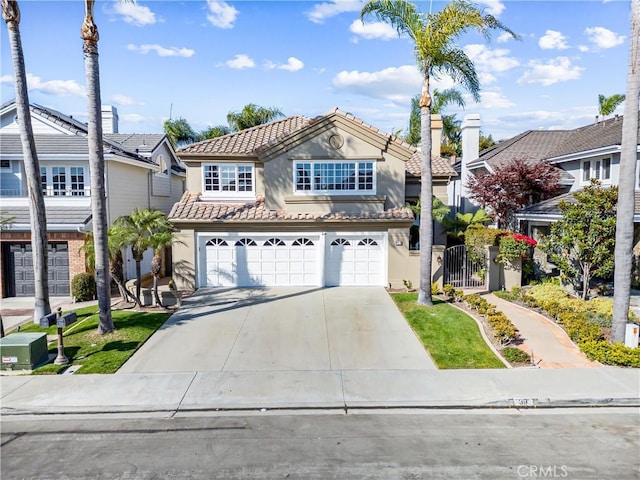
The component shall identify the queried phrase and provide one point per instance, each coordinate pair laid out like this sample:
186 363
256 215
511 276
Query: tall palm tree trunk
426 197
96 166
626 188
11 15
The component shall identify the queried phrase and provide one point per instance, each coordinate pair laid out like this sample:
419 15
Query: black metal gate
460 270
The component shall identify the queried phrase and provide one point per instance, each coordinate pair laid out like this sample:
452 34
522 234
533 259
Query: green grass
100 353
451 337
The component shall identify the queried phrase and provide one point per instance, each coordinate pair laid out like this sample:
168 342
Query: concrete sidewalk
544 340
218 391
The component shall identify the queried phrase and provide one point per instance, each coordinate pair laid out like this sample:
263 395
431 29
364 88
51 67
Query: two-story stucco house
140 171
300 202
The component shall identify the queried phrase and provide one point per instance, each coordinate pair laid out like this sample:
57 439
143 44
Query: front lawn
100 353
449 335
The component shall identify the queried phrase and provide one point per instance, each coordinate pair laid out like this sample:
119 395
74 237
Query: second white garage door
246 260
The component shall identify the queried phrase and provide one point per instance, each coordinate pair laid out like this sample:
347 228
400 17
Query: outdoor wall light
439 260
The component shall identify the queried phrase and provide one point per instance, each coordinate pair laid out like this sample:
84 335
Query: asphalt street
577 444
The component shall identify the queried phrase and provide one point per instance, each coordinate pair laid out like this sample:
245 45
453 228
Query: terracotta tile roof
439 166
192 208
247 142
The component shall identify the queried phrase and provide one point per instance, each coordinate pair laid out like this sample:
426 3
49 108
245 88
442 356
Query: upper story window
228 179
335 178
164 166
63 181
596 169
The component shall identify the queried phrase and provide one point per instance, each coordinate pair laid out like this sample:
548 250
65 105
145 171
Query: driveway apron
283 329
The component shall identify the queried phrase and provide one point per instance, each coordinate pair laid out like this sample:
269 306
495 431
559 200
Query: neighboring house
140 171
581 154
301 202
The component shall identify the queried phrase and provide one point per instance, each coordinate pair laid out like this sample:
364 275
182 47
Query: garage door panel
354 259
274 260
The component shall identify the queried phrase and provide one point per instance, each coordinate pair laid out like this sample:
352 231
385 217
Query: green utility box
23 351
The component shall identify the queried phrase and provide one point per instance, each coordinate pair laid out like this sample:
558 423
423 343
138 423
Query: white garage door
355 260
246 261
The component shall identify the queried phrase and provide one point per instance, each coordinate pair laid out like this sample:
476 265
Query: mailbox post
60 321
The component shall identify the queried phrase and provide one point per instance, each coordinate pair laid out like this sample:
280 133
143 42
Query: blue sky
201 59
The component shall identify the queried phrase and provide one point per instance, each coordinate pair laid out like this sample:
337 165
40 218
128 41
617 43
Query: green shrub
612 353
449 291
458 294
83 287
515 355
435 290
505 331
580 330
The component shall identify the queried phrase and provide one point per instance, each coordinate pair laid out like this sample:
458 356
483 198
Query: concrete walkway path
546 341
283 329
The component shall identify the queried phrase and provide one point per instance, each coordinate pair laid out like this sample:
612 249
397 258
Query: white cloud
373 30
240 62
488 61
321 11
135 14
221 14
397 84
58 88
559 69
553 40
132 117
602 37
504 37
292 65
120 99
583 48
494 100
494 7
162 51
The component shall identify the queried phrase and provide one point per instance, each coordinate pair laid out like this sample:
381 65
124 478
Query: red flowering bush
515 246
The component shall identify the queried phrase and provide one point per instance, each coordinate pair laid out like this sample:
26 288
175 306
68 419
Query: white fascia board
132 162
51 227
586 154
538 217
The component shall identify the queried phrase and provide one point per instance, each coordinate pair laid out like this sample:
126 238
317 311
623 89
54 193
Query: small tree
607 105
582 242
512 186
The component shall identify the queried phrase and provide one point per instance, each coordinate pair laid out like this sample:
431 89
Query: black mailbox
48 320
61 322
67 319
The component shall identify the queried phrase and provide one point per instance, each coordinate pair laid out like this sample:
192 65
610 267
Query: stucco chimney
470 151
109 119
436 134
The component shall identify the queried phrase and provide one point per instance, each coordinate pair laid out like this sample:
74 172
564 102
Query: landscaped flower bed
587 322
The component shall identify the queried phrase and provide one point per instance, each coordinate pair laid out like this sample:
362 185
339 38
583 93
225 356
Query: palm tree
624 221
37 212
441 99
89 34
159 242
607 105
116 244
213 132
434 35
179 132
137 230
252 115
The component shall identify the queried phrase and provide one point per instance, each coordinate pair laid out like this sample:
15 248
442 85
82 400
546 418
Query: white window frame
318 191
68 191
231 194
596 169
164 166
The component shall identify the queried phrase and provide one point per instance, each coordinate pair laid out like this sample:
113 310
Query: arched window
340 241
367 241
274 242
216 242
246 242
302 242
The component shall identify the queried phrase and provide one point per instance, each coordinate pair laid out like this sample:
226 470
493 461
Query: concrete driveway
283 329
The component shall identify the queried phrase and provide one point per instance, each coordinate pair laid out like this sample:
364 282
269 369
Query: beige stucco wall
183 256
279 175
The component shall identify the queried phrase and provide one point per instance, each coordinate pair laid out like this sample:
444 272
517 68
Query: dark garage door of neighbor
20 267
